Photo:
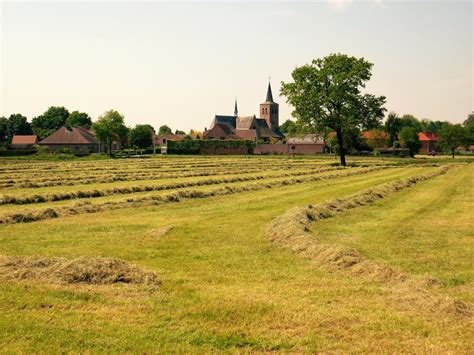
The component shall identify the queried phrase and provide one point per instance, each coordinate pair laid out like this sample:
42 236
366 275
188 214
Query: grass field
201 225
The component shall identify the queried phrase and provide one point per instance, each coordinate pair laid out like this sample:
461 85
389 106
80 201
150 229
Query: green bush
194 146
16 153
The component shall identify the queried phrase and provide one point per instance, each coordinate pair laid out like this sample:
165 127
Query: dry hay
160 232
99 271
87 207
290 230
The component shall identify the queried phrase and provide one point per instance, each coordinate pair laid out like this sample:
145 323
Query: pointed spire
236 111
269 93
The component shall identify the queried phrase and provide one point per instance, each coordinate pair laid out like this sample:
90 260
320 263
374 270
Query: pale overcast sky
182 63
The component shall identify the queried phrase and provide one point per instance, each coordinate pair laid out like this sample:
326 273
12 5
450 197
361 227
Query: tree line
109 127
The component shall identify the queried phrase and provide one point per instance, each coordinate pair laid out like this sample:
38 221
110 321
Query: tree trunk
452 150
110 146
342 153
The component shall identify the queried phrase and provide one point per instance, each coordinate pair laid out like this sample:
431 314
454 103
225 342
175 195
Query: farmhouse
428 142
77 139
248 127
24 142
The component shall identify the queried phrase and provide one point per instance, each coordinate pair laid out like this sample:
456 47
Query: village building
248 127
77 139
428 142
24 142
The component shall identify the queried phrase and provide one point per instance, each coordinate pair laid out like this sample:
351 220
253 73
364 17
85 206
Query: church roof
265 132
269 97
228 120
245 122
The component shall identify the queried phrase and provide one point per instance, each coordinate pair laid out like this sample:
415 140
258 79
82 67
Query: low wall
224 151
303 149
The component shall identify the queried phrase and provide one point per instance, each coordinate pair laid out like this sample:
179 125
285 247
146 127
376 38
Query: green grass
225 286
427 229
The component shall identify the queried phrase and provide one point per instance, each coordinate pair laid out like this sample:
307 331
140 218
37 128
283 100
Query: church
248 127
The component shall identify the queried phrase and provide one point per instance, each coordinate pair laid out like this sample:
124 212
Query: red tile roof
370 135
76 135
24 140
427 136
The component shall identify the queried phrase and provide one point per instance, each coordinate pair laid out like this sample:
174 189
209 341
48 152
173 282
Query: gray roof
220 119
246 122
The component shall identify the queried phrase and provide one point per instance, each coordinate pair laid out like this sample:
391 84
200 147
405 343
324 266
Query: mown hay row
100 271
290 231
41 198
87 207
88 179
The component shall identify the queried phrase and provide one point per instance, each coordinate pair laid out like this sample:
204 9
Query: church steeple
269 110
269 94
236 111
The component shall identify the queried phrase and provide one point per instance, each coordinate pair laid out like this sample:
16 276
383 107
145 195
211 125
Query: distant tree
378 138
469 120
79 119
179 132
353 142
392 126
469 126
164 130
3 130
110 128
327 94
50 121
152 129
408 120
289 128
409 139
452 136
140 136
17 124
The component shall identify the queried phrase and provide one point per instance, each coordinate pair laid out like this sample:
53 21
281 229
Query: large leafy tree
50 121
78 119
17 124
327 94
409 139
110 127
392 126
452 136
140 136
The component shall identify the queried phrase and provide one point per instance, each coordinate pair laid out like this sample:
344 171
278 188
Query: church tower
269 110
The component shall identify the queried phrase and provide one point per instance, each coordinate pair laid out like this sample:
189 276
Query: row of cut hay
94 271
66 173
41 198
151 164
290 231
87 207
134 176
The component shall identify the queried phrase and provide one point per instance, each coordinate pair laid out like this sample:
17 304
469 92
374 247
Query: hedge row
16 153
188 147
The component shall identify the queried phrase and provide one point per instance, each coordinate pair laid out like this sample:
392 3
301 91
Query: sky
180 63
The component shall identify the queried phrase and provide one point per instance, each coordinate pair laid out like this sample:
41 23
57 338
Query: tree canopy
17 124
164 130
452 136
110 128
140 136
78 119
50 121
409 139
328 94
